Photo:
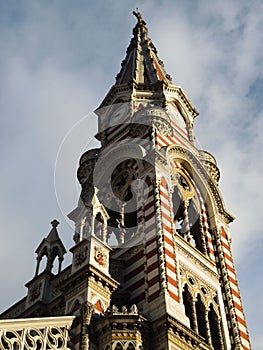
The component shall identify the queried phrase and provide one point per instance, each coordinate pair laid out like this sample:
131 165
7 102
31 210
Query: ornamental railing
35 333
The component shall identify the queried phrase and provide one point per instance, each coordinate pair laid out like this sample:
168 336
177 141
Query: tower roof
53 234
141 63
52 240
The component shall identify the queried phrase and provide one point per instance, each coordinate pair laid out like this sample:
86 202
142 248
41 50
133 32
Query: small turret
51 247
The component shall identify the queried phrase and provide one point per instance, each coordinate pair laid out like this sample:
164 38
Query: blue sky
58 59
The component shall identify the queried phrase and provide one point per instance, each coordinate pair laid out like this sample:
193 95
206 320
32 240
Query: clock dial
184 183
119 113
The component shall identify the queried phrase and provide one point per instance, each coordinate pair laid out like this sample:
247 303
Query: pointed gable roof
53 234
51 246
141 64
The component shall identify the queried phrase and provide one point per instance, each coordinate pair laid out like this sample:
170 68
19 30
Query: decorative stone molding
35 333
154 116
210 164
185 154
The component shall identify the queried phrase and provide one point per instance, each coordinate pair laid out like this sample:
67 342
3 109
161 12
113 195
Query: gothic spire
141 63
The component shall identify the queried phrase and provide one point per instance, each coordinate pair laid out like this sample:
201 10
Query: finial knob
54 223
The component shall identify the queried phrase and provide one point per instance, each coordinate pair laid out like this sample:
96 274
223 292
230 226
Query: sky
58 59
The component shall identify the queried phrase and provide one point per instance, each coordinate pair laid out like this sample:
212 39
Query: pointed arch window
195 223
131 347
189 307
201 318
178 210
122 208
188 214
215 329
98 226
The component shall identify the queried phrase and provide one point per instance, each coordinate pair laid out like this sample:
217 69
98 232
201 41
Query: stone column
86 314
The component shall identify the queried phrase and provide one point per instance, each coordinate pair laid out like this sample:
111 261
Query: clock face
184 185
119 112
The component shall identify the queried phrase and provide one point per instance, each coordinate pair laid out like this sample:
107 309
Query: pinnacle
141 64
53 234
54 223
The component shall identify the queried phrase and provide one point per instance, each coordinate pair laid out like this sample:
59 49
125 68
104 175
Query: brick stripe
171 277
135 272
137 284
153 296
163 141
134 258
150 228
235 291
138 298
153 281
153 266
150 241
170 267
168 240
152 253
173 296
170 254
180 130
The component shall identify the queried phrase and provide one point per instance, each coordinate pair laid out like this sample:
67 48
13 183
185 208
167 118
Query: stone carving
35 292
154 116
81 256
100 256
30 334
87 310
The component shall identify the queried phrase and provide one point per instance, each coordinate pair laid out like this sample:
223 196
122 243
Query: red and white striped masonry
163 141
170 261
183 132
145 286
151 244
243 331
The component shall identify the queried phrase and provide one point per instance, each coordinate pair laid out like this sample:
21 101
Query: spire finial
139 17
54 223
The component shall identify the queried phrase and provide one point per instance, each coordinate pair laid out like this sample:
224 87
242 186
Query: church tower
152 267
153 196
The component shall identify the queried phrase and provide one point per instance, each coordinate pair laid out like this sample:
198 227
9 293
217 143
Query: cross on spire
139 17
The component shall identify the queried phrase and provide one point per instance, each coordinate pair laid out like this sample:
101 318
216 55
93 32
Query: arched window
42 261
118 347
178 211
200 315
214 328
122 208
188 305
195 226
131 347
188 217
98 226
